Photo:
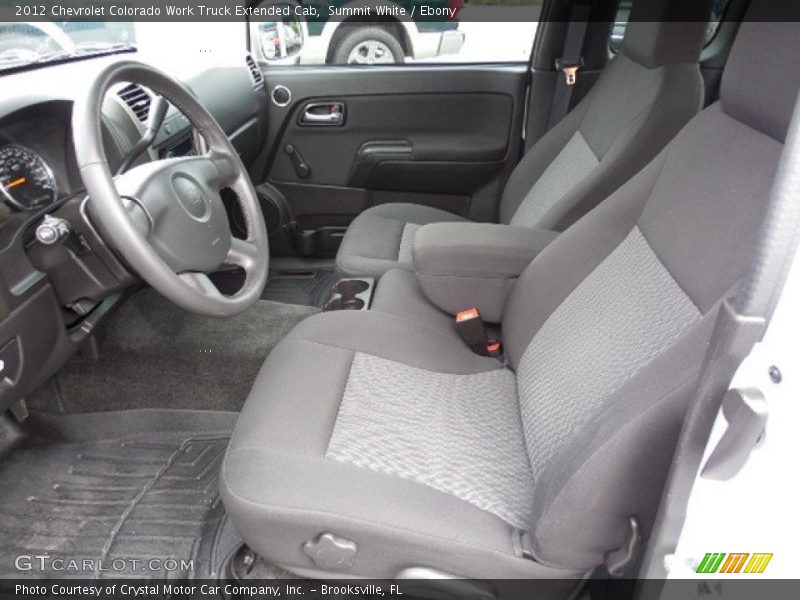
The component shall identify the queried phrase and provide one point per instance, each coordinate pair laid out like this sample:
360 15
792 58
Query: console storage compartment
466 265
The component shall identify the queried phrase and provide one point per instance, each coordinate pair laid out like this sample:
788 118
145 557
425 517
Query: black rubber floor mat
134 493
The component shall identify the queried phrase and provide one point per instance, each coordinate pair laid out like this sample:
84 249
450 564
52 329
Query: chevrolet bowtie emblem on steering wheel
191 196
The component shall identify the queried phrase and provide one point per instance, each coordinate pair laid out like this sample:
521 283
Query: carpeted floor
156 355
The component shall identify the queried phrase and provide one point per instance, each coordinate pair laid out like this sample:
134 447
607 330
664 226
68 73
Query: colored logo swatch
741 562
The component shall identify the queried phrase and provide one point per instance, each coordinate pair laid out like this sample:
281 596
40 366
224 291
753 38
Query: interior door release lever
301 167
323 113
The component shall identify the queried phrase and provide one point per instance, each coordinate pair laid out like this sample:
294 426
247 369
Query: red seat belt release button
494 349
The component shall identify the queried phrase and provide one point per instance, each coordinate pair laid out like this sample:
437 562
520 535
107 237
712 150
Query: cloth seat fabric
291 471
388 432
398 293
642 99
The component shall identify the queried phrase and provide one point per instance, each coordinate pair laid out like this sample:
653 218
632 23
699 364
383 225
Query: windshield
23 44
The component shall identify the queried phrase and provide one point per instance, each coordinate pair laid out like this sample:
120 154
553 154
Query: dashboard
53 297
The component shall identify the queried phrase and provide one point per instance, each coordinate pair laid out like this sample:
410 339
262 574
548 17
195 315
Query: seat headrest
762 78
662 32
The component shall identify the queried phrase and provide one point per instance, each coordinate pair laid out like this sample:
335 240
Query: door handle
746 413
325 114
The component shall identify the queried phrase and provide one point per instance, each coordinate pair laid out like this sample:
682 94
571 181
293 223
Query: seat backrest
607 328
644 96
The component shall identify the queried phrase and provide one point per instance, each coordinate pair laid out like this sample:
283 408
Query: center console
465 265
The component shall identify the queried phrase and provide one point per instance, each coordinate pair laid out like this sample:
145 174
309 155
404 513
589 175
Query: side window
624 11
384 32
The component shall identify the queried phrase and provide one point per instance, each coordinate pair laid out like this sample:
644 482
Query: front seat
644 96
371 443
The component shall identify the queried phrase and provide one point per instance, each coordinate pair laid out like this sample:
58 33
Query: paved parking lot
484 41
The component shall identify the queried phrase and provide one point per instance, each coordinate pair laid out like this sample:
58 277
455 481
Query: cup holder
351 294
351 287
340 303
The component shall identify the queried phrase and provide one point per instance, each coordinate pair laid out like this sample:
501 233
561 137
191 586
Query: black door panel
449 128
444 136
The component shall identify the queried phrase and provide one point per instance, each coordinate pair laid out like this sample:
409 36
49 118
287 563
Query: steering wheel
166 218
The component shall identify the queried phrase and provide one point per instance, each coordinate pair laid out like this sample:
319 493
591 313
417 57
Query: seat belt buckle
472 330
570 70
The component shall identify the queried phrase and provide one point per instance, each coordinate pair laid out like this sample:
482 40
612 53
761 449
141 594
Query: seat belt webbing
570 62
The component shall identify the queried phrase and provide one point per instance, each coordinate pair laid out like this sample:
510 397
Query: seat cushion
432 428
423 426
381 237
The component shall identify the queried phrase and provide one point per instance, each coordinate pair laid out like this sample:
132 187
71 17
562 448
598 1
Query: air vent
137 99
255 72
